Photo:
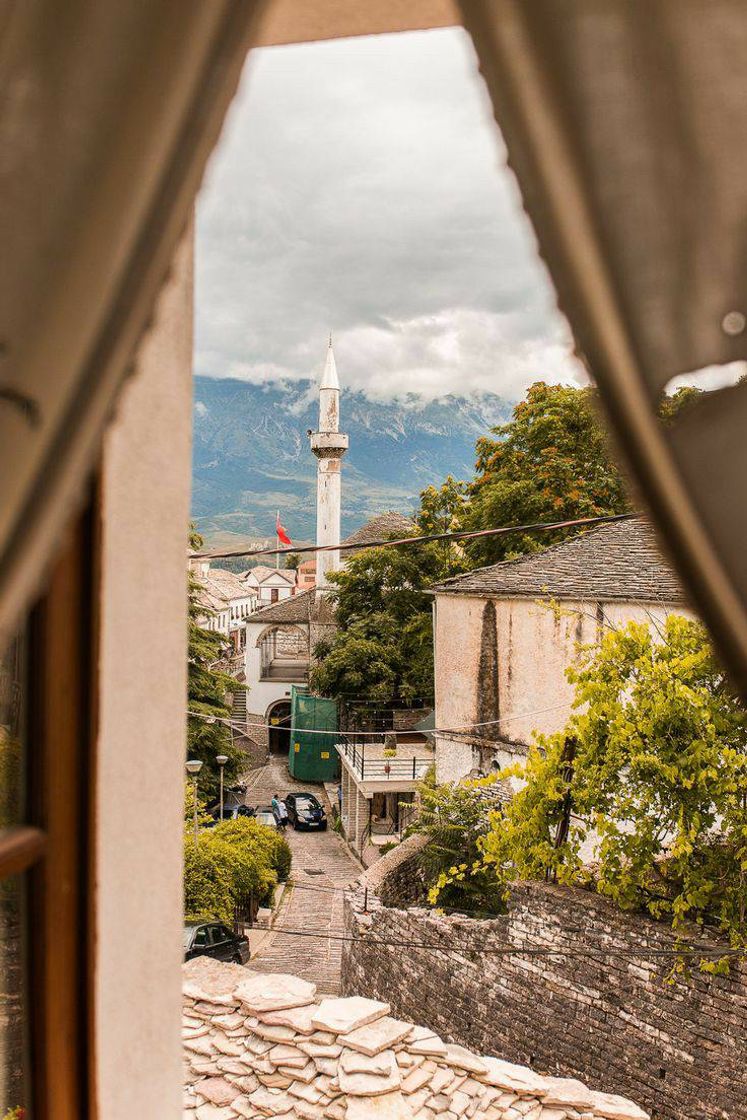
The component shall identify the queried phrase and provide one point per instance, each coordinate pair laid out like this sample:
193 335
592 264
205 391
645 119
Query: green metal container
312 756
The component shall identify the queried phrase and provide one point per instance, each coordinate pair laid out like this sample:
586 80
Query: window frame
52 849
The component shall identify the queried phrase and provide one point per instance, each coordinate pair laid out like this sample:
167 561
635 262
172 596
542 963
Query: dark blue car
304 811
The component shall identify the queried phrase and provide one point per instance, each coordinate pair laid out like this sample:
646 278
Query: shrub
229 863
455 818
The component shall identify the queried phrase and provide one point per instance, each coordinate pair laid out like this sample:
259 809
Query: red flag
281 533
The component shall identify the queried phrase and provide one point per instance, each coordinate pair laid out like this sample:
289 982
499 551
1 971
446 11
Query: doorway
279 719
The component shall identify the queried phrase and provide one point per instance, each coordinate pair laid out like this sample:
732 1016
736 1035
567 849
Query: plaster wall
505 659
260 693
145 483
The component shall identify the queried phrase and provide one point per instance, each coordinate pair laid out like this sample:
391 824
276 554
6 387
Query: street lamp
193 769
221 759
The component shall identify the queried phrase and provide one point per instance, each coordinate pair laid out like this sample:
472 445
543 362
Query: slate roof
380 527
267 1046
262 572
618 562
307 606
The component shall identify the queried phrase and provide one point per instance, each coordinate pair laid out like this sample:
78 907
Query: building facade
270 585
506 634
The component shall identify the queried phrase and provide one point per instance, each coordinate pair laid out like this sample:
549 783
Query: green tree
442 510
550 462
207 695
291 559
653 765
383 647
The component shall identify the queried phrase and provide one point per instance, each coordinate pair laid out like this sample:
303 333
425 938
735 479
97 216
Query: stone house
270 585
227 600
505 635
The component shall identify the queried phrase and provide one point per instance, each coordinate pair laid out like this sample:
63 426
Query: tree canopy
550 462
383 647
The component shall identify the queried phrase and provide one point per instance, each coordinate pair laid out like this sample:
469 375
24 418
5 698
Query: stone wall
612 1019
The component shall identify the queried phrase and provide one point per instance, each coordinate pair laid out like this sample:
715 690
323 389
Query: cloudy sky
360 187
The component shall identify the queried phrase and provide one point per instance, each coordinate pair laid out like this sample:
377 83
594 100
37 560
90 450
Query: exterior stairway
238 707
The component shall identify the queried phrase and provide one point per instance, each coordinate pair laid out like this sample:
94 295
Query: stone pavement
322 868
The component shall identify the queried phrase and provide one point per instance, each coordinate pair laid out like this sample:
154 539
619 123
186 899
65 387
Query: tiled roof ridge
259 1045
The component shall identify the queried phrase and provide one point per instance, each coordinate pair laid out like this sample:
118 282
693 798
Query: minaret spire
329 445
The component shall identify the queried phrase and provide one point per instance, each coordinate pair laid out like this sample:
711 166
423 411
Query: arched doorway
279 719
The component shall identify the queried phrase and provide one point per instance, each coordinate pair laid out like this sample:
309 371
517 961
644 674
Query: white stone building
227 600
271 585
505 635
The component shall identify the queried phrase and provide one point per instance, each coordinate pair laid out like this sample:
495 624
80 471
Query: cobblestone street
322 867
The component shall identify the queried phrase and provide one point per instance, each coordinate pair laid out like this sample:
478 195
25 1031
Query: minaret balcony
328 443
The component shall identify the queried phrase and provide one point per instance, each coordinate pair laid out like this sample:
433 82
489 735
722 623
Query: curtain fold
623 120
108 112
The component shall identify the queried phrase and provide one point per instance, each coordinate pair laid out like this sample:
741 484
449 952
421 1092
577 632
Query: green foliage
207 695
227 864
654 764
383 647
550 462
455 820
442 510
291 559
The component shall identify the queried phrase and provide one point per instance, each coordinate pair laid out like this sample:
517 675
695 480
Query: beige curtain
624 121
108 112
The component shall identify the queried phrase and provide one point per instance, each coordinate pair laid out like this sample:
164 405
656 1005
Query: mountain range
251 455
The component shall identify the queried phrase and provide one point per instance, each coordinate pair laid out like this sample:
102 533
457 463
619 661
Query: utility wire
463 727
506 530
516 951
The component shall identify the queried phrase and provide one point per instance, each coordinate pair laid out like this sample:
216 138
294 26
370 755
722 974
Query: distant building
329 445
505 635
271 585
378 528
306 575
227 601
279 641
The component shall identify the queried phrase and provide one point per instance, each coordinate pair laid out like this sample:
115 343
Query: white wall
139 779
260 694
535 646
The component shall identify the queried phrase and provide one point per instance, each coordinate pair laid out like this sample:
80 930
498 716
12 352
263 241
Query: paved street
322 866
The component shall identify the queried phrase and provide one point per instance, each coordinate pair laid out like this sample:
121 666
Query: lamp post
193 769
221 759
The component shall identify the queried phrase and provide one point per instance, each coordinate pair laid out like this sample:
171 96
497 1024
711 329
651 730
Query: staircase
238 707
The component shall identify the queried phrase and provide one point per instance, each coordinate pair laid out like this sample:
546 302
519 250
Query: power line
464 727
506 530
516 951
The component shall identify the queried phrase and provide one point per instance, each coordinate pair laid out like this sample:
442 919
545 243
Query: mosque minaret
329 445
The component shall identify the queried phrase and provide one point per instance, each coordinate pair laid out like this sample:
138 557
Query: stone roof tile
229 1075
617 562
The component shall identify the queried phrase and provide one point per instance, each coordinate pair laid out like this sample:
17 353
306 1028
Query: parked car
304 811
264 814
212 939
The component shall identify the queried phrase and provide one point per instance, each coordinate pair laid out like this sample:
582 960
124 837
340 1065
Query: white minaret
329 446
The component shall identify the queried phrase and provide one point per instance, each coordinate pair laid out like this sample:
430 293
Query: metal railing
371 769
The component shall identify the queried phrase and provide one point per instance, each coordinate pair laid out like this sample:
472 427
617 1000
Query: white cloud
361 187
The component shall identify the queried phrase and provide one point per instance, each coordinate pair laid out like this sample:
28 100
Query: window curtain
624 122
108 112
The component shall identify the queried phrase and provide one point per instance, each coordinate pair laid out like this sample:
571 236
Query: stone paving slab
313 905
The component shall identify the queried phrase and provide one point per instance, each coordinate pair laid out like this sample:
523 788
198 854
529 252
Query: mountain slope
251 454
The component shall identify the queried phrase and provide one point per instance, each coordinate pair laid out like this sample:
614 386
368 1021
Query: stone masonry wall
679 1048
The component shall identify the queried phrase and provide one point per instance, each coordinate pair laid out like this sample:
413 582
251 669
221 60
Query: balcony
285 669
371 767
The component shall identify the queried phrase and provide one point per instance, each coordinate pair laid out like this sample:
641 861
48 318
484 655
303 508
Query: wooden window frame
53 848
